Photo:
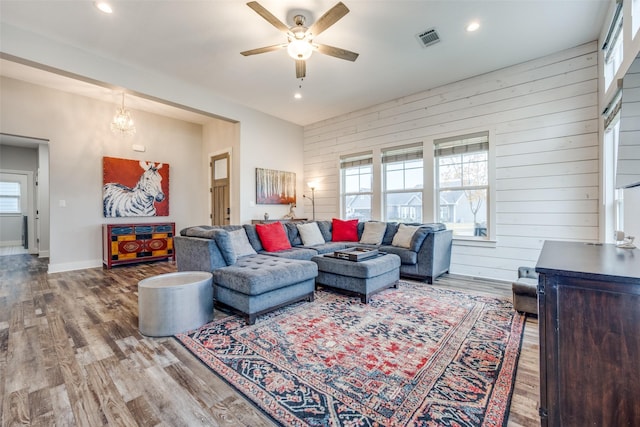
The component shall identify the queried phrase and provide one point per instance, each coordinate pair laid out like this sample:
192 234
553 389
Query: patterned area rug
413 356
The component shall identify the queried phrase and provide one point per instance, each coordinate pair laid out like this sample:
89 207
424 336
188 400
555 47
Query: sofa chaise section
252 284
260 283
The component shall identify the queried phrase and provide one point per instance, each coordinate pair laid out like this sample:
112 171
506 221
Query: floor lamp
313 203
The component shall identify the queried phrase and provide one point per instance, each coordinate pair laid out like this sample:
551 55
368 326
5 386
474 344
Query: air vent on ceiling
429 37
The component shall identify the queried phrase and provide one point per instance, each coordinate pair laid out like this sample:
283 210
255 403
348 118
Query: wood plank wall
543 119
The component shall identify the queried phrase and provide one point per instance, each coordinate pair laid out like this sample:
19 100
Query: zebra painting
118 200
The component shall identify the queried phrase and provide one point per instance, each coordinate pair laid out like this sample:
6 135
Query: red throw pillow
273 237
344 230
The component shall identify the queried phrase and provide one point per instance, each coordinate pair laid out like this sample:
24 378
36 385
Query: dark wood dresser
589 320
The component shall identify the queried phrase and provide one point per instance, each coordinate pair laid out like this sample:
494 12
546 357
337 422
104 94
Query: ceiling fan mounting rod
299 20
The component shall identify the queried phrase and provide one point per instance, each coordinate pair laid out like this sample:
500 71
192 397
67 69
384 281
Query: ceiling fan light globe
300 49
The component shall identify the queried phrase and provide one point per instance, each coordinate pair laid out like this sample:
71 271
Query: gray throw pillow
310 234
240 243
223 240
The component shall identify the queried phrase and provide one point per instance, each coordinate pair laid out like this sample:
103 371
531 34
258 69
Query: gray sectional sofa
255 281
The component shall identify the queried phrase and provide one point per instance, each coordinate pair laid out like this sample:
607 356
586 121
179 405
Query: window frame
489 231
403 155
17 198
613 197
613 46
349 162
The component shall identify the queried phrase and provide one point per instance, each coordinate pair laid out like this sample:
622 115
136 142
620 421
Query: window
612 47
356 172
10 197
403 183
462 184
613 200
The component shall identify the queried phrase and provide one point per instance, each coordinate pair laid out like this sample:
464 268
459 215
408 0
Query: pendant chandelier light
122 121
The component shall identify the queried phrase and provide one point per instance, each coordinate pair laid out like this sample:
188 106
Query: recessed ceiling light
297 95
473 26
104 6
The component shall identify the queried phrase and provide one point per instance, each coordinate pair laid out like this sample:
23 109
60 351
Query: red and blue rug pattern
413 356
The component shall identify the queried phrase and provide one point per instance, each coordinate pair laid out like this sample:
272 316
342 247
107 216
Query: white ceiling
199 41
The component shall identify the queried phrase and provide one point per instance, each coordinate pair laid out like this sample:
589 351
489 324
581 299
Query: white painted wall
543 118
631 213
272 148
79 134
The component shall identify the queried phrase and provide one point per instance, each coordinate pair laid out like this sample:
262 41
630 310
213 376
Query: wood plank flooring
71 355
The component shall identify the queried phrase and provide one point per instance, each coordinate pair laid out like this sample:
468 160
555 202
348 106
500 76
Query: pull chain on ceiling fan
300 43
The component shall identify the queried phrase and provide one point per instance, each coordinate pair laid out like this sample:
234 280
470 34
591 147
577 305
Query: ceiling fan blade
301 69
268 16
329 18
263 49
337 52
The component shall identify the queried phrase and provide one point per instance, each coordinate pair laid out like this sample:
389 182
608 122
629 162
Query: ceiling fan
300 43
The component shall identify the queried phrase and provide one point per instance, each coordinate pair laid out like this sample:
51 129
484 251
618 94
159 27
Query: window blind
612 109
462 144
354 160
614 31
399 154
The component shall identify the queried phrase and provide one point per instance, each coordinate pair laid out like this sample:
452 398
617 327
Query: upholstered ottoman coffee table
174 302
363 278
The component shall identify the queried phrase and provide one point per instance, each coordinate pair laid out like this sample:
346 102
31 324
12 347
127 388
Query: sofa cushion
240 243
406 256
292 233
273 237
344 230
298 252
418 238
220 236
325 229
310 234
392 228
373 232
253 237
223 240
257 274
203 231
403 236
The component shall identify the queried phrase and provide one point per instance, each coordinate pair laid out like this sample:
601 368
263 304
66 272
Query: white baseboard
41 254
70 266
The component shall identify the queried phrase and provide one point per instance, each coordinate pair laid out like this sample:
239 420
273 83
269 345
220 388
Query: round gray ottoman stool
174 302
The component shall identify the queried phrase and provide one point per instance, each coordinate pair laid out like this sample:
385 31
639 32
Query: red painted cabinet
134 243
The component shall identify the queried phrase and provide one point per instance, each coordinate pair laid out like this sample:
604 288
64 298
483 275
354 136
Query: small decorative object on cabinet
133 243
589 320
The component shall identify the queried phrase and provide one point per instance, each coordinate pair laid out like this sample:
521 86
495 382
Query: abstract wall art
275 187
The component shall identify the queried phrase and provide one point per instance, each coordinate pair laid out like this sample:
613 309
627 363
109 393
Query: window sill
482 243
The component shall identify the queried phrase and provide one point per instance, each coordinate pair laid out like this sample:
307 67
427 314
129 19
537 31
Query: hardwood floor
12 250
71 354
